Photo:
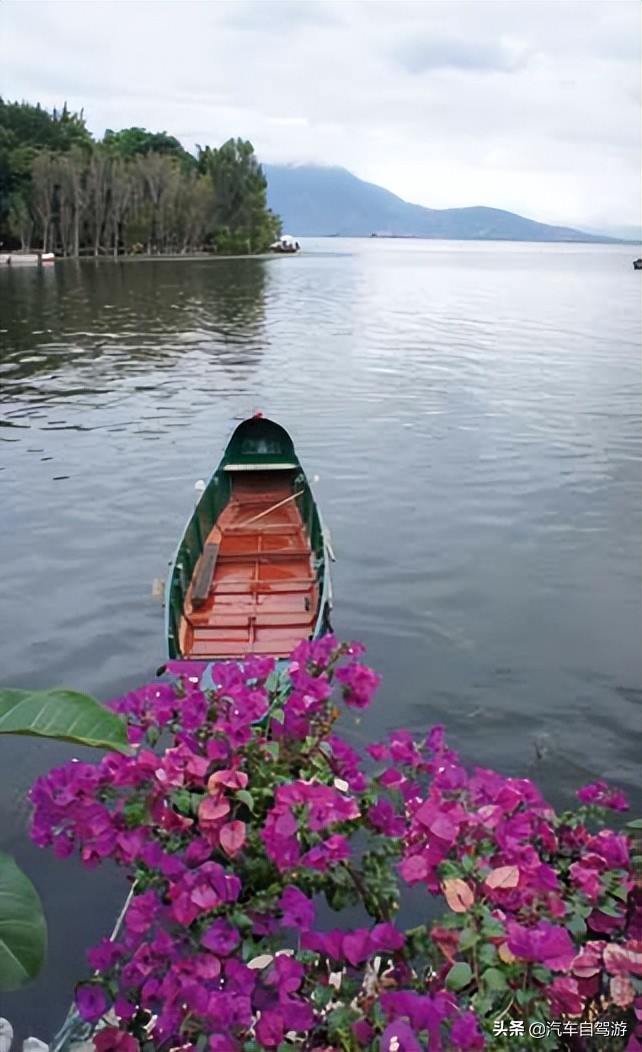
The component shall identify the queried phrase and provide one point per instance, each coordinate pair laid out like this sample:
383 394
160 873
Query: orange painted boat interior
264 596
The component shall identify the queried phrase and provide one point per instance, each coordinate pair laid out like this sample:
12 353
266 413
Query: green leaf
493 979
278 715
245 797
23 932
577 926
134 813
492 928
273 749
523 997
64 715
611 910
339 1020
487 954
459 976
181 800
322 996
635 823
468 938
619 892
483 1004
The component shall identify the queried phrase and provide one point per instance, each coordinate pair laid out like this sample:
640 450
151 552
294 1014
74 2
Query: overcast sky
528 105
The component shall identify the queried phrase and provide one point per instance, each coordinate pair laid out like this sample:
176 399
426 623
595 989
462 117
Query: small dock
26 259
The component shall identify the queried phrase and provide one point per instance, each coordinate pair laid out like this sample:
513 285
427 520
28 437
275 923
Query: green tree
241 221
134 191
25 131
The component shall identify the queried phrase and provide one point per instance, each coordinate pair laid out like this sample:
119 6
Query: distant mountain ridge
315 201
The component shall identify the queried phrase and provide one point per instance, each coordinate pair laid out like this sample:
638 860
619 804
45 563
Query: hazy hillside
318 201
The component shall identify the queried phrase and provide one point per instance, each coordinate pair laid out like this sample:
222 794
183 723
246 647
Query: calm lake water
473 412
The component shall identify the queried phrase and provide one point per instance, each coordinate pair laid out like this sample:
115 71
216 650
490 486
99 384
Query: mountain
316 201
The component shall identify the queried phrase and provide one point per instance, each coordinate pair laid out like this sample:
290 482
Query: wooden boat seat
204 575
263 555
278 641
248 587
261 467
242 620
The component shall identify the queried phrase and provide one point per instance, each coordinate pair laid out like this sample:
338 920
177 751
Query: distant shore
142 257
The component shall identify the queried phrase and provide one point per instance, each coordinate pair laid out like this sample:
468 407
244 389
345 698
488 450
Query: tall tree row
134 192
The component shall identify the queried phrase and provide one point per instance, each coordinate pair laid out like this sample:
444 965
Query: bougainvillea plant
240 816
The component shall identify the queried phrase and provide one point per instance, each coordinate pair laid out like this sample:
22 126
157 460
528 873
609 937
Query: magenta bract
258 816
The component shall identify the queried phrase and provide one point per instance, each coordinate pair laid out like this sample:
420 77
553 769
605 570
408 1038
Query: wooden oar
267 511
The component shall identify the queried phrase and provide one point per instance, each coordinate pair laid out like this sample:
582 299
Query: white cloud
533 106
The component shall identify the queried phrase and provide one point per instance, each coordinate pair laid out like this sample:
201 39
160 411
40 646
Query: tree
138 142
97 195
241 220
156 172
44 175
19 220
26 131
134 190
121 190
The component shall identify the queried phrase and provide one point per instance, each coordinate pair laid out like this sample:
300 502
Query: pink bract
258 817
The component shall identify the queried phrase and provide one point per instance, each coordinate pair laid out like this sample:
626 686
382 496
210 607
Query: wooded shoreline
133 193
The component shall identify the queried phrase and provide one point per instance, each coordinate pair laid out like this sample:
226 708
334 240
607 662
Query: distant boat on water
637 264
286 244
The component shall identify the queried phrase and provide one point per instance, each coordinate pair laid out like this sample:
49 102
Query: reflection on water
474 414
79 327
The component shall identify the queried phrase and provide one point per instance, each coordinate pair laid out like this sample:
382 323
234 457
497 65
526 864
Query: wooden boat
250 575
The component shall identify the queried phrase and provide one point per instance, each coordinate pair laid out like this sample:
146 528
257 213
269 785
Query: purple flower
91 1002
363 1032
385 938
398 1037
465 1033
602 795
603 923
329 943
383 817
286 974
564 997
335 849
359 684
112 1039
221 938
297 1015
612 848
587 877
142 911
298 911
546 943
239 978
403 749
347 764
104 956
270 1029
357 946
435 739
223 1043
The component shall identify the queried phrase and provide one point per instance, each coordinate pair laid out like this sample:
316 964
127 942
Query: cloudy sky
528 105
